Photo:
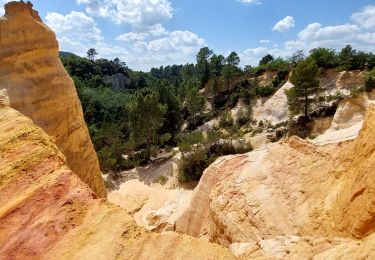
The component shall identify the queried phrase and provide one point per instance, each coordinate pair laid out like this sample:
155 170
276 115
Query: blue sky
148 33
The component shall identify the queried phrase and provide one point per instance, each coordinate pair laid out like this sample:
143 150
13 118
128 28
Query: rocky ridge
39 87
47 212
288 195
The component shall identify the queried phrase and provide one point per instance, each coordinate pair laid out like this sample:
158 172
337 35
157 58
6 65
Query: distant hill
64 54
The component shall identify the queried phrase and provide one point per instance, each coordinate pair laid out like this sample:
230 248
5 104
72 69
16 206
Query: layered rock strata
290 189
39 87
47 212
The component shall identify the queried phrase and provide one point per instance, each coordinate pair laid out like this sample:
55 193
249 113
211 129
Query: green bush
265 91
243 117
194 163
370 80
226 120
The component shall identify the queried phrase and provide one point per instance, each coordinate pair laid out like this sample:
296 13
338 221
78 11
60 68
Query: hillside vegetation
181 98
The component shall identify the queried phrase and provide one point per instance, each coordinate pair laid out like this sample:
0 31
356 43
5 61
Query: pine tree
306 90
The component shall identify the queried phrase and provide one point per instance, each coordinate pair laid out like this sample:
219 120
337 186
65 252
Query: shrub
194 163
243 117
226 120
163 180
370 80
324 57
265 91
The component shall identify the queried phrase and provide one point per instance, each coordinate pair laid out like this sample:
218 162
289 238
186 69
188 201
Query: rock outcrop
275 109
47 212
289 191
118 81
348 119
39 87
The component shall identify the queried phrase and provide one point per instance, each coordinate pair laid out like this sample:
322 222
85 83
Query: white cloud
258 2
365 18
131 37
315 31
2 3
148 44
284 24
141 15
264 41
177 47
75 25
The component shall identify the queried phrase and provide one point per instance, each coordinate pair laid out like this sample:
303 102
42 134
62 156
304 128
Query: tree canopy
145 117
306 90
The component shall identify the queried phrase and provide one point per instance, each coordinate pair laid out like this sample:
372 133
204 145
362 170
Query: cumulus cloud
148 44
365 18
131 37
316 31
76 25
175 48
284 24
141 15
360 33
264 41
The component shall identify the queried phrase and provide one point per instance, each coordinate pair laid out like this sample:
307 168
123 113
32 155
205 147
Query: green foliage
195 103
233 59
91 53
163 180
199 152
265 91
216 65
203 67
306 90
266 60
278 64
170 99
226 120
243 117
370 80
145 117
324 57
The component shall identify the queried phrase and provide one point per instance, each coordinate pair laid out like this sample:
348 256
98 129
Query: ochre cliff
47 212
39 87
320 197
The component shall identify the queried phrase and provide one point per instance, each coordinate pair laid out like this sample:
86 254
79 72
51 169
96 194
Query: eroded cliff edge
291 198
39 87
47 212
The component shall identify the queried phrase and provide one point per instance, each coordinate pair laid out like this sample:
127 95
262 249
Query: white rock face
275 109
154 207
348 119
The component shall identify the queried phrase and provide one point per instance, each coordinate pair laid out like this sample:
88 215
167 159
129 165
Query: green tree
230 69
324 57
370 80
233 59
203 67
172 117
91 53
266 60
194 102
306 90
346 57
216 65
146 117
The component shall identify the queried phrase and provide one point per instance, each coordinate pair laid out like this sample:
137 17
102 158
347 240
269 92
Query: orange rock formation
39 87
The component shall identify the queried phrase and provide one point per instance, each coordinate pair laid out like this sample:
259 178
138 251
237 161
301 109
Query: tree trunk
148 154
306 105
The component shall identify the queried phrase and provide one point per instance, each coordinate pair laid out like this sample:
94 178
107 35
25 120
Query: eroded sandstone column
39 87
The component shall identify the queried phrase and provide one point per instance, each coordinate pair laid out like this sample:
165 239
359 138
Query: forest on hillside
162 109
